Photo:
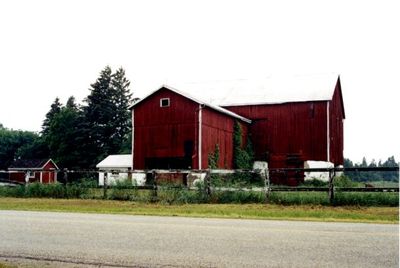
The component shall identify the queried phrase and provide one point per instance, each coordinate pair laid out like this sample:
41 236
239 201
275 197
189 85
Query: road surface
85 240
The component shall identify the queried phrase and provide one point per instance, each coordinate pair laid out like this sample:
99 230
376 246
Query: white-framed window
164 102
31 174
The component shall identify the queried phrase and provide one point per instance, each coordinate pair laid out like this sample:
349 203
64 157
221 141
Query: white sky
58 48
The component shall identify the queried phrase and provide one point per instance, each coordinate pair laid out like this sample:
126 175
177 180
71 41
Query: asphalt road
84 240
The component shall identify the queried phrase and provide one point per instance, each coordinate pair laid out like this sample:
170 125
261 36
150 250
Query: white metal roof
199 100
269 90
116 161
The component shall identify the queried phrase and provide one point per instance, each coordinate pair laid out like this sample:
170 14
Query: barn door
188 149
260 137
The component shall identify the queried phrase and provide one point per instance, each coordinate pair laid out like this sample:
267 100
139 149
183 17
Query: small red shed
173 130
33 170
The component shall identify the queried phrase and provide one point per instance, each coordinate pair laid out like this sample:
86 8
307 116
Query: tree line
78 136
363 176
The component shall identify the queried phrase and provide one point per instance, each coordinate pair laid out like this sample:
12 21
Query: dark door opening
167 163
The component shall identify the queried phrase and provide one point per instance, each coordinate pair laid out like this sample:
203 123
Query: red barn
171 129
38 170
292 121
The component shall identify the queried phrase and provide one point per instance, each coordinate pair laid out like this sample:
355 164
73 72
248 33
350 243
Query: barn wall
291 128
336 117
217 128
162 131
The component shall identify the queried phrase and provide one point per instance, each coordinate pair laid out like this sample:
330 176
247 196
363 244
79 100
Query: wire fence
209 181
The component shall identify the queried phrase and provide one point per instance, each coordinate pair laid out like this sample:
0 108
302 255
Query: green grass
246 211
7 265
384 183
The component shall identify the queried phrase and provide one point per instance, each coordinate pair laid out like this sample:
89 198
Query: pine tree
106 121
55 108
98 118
122 101
63 136
71 103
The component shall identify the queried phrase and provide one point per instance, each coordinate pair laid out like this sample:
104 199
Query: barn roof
197 99
269 90
116 161
22 164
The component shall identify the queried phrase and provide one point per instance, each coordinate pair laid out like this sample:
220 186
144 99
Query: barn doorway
184 162
167 163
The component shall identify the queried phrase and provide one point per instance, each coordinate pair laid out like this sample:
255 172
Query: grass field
243 211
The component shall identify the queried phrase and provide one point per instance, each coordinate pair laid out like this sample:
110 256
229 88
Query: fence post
65 174
154 177
27 175
105 185
331 193
264 173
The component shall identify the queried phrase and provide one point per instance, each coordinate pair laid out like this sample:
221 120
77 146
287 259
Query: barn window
164 102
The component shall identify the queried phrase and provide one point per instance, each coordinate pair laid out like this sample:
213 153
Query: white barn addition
115 166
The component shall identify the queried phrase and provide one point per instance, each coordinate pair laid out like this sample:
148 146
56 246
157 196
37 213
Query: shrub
38 190
314 182
239 197
344 181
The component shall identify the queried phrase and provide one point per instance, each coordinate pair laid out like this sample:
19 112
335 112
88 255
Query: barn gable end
181 132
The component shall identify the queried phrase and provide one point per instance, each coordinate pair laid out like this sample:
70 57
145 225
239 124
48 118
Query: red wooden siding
161 132
336 117
48 175
284 135
20 177
298 128
217 128
291 128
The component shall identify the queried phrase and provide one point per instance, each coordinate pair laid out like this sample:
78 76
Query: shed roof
197 99
269 90
23 164
116 161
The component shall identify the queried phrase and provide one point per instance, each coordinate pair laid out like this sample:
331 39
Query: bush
238 197
173 194
38 190
123 190
314 183
344 181
237 180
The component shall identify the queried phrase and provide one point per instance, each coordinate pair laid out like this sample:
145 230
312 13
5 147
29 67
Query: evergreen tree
64 135
106 116
99 114
71 103
55 108
122 99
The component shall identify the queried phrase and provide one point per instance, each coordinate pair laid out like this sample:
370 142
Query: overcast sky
52 49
